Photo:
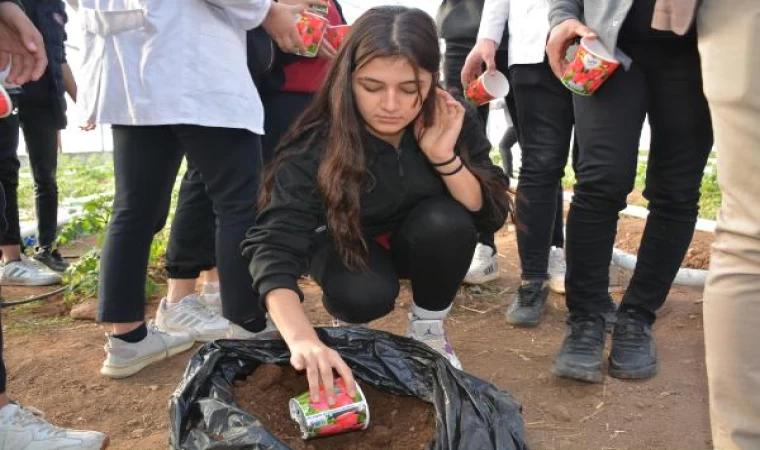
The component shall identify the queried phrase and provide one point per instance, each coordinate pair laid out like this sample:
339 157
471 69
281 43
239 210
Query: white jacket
528 27
164 62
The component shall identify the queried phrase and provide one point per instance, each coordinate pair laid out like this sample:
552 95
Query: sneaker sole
486 279
557 287
577 374
128 371
638 374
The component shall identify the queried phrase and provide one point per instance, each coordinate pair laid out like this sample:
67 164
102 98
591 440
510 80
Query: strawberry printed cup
312 28
318 419
6 107
336 34
590 68
487 87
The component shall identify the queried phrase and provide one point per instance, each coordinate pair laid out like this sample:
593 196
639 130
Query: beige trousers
729 42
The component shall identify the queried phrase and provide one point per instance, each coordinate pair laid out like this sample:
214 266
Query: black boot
528 304
51 258
582 353
634 354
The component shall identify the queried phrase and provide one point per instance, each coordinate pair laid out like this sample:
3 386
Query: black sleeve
280 243
474 141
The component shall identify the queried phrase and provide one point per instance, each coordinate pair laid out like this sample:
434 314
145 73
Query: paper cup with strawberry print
336 34
312 29
590 68
318 419
486 88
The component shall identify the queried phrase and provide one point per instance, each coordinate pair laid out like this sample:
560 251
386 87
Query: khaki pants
729 34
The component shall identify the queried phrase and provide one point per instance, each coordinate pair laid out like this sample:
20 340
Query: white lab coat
528 28
164 62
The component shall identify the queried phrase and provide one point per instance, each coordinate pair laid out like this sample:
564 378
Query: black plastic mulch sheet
471 413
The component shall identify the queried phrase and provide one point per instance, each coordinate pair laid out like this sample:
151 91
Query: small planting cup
591 66
336 34
320 10
486 88
318 419
312 29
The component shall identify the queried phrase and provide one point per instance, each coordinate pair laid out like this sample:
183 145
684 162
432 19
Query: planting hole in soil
396 422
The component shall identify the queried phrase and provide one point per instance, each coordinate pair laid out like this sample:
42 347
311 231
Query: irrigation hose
35 298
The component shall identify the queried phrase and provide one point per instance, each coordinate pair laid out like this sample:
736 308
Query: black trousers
192 247
664 82
146 161
545 118
40 126
3 226
433 248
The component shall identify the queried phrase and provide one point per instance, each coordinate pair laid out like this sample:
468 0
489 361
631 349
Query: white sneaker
557 269
240 333
124 359
431 332
26 272
190 315
26 429
484 266
212 300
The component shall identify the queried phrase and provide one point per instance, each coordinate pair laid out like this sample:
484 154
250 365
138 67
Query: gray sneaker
27 429
431 332
124 359
27 273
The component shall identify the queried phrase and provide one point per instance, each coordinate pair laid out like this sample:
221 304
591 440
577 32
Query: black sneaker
634 354
528 304
51 258
582 353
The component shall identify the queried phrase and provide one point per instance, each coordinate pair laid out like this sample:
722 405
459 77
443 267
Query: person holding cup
660 78
544 111
384 176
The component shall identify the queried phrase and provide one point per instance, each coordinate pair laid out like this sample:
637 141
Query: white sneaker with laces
26 429
190 315
431 332
124 359
212 298
484 266
557 269
26 272
240 333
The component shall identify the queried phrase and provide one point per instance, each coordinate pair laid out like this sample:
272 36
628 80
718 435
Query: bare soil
53 365
277 385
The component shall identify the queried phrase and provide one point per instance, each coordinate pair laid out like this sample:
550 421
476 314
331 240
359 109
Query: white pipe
685 277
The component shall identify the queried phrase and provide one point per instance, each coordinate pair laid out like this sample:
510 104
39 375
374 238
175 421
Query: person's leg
558 235
433 248
728 36
545 115
146 161
681 142
15 270
282 110
608 127
232 176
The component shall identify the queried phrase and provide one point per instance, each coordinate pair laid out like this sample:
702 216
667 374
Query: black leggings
433 248
146 161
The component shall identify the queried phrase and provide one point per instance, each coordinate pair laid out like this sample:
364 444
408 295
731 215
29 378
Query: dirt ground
54 362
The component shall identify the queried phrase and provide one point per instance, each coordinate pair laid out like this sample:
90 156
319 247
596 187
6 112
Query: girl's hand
559 41
326 50
319 361
438 141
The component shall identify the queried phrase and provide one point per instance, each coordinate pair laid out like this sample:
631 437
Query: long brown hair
332 121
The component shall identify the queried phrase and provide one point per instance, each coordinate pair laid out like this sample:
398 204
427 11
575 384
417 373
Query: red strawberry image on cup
312 28
487 87
590 68
335 35
317 418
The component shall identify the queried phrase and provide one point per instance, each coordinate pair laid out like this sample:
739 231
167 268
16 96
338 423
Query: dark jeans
3 226
146 161
282 109
433 248
665 82
40 127
545 118
192 241
192 248
453 61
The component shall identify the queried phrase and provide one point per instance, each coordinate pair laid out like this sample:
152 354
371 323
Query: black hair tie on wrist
445 163
453 172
